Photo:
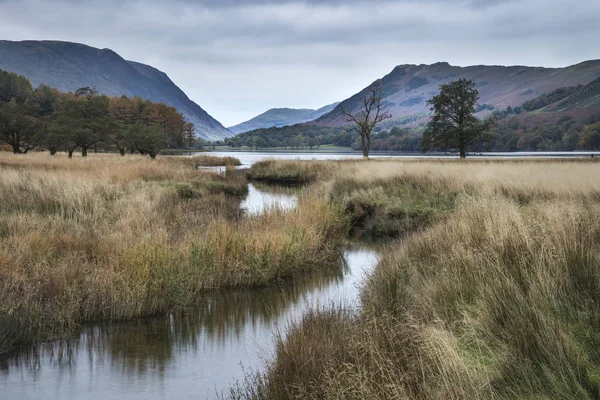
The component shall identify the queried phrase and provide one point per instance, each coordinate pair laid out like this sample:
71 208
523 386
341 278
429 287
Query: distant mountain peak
68 66
278 117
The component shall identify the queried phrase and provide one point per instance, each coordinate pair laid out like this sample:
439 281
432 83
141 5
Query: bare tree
370 114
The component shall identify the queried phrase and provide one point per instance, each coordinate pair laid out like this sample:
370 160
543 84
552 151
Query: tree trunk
16 149
71 153
53 151
122 152
84 151
365 148
152 155
463 152
131 150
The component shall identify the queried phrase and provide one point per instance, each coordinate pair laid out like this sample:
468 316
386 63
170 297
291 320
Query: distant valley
278 117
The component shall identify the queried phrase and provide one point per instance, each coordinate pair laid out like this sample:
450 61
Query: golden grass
116 238
212 161
498 300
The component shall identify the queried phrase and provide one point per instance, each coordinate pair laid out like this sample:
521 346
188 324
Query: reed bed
496 300
114 237
212 161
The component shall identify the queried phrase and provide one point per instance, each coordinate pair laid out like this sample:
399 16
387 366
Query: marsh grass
496 300
212 161
284 173
114 237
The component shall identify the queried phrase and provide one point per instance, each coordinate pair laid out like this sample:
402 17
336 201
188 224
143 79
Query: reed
496 300
114 237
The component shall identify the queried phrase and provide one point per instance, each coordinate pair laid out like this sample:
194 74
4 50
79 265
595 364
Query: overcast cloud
237 58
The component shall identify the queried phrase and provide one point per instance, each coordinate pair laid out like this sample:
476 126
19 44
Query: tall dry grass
116 238
498 300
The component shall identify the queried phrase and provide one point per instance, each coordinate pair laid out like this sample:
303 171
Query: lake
247 158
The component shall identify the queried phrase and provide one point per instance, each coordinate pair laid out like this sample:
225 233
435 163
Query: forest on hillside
47 119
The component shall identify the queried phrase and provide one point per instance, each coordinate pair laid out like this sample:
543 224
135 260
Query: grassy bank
497 299
112 237
212 161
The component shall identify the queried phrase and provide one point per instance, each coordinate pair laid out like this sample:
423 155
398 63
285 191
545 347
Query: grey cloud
238 57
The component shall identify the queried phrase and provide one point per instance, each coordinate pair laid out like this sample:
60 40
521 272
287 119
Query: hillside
68 66
278 117
407 88
587 97
547 110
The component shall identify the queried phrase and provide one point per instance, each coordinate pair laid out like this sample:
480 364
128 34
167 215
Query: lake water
259 201
195 353
247 158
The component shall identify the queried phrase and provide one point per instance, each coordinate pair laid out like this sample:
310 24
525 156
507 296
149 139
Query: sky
238 58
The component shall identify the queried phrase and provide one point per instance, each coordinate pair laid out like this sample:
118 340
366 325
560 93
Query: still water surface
248 158
195 353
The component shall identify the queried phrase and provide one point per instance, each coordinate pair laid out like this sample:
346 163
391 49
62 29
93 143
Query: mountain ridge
408 86
68 66
281 116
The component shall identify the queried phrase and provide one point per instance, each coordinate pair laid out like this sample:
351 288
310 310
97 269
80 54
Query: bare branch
370 115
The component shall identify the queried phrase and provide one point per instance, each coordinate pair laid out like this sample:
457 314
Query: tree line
48 119
508 132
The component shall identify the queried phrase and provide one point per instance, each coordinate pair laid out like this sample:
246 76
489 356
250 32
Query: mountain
277 117
407 88
69 66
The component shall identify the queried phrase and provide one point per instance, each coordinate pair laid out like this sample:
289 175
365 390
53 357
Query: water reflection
193 353
189 353
258 201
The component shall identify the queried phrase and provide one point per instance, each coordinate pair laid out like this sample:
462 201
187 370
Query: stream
195 353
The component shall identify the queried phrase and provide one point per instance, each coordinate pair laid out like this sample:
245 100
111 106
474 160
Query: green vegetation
284 173
590 137
293 137
497 298
392 208
549 98
453 125
47 119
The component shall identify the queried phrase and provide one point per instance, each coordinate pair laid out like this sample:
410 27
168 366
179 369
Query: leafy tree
200 143
18 129
55 139
590 137
45 100
13 86
87 91
84 119
453 125
148 139
296 142
369 115
189 134
261 143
